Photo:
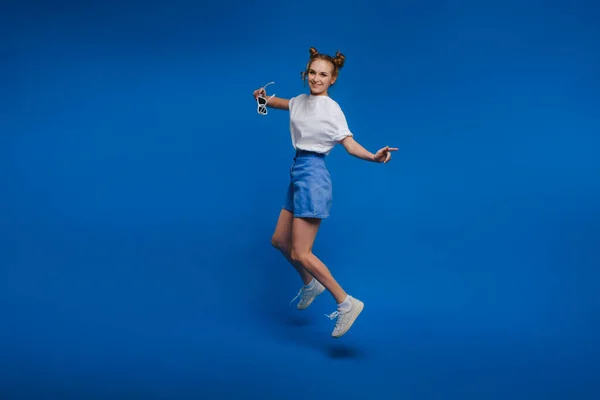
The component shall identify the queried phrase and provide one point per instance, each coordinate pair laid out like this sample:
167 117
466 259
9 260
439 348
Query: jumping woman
317 124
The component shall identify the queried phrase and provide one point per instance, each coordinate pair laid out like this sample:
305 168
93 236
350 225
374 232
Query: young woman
317 124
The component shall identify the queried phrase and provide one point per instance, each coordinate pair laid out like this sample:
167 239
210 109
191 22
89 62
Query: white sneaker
307 295
346 318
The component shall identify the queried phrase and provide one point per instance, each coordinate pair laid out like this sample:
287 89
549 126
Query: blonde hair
336 62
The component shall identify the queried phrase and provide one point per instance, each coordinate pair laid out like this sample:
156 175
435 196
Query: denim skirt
309 193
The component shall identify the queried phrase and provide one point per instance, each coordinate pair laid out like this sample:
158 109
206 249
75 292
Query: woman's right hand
259 92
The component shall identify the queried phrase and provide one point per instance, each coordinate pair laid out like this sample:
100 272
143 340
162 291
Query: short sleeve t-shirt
317 123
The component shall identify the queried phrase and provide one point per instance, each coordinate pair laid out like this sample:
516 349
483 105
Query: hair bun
313 52
339 59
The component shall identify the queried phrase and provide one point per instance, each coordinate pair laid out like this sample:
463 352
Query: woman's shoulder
301 96
334 106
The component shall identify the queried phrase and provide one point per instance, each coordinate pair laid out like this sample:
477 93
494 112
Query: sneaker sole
360 306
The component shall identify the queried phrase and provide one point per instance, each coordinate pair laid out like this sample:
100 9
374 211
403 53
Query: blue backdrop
140 188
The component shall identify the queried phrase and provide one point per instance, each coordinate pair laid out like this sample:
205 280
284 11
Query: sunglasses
262 101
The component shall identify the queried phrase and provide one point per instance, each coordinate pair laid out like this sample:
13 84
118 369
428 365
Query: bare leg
304 231
282 240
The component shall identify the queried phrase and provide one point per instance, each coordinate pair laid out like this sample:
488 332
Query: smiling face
320 76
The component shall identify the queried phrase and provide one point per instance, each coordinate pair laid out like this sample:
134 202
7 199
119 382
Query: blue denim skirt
309 193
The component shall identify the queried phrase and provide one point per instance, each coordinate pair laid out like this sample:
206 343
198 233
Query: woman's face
320 77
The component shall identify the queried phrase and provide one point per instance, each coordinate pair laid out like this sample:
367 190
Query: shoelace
298 295
333 315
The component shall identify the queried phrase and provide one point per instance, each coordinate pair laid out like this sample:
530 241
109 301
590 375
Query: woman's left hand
384 155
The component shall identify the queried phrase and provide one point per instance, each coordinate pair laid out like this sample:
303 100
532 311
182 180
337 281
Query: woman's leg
282 241
304 231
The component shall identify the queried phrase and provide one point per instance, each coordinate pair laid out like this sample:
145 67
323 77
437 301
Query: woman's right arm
279 103
274 102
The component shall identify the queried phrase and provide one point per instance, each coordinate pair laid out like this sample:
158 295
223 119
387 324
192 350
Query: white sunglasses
262 102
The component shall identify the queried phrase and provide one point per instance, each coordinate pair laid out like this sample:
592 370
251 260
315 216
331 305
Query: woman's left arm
355 149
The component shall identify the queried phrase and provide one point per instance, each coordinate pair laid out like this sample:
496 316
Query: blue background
140 189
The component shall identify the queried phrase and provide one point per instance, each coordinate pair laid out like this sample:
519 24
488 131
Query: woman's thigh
282 237
304 232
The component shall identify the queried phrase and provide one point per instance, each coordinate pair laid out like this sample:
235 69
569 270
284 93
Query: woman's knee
280 243
300 256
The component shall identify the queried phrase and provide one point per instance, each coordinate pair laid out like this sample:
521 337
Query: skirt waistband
300 153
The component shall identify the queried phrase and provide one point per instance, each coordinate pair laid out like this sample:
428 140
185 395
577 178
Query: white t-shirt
317 123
